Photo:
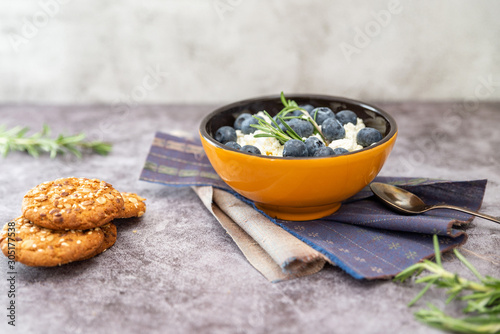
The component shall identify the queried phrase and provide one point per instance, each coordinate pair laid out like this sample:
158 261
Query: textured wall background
103 51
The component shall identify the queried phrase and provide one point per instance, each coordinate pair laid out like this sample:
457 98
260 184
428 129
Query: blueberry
324 152
340 150
225 134
321 114
282 127
307 107
347 116
295 148
302 127
245 125
332 129
250 149
368 136
239 120
312 144
233 144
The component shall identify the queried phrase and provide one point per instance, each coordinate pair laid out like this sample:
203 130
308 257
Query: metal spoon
406 202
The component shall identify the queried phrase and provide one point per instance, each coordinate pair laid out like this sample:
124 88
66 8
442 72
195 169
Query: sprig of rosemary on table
483 298
273 129
15 139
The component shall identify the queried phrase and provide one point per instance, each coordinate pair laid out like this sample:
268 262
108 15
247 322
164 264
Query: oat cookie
134 205
110 233
41 247
72 203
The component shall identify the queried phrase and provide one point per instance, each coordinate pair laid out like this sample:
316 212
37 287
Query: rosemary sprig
290 106
15 139
273 129
483 298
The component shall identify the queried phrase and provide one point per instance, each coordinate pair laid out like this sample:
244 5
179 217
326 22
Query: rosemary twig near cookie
16 139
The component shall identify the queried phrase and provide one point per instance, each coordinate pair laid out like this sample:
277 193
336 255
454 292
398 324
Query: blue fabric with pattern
364 238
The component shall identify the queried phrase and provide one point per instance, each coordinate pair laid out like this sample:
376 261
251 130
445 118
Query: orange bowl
298 188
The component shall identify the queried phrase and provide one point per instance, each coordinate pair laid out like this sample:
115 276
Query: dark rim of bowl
384 114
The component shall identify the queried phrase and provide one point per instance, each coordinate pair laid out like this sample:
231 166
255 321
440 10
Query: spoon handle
475 213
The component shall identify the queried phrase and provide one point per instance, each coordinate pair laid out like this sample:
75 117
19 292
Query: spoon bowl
409 203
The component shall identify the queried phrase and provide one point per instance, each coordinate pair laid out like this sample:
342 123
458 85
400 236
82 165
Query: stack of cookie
67 220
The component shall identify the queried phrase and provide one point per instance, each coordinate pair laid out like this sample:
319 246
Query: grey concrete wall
102 51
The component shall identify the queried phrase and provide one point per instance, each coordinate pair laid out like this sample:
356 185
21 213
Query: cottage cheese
272 147
266 145
349 142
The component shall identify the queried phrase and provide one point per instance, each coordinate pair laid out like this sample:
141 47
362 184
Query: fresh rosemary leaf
422 292
437 251
283 99
468 265
263 135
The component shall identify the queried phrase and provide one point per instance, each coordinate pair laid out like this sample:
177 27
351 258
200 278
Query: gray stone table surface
175 270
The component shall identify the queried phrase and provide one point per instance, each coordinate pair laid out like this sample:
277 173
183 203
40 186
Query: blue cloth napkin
364 238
